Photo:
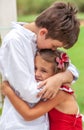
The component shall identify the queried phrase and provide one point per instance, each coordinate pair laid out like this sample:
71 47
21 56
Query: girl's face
43 69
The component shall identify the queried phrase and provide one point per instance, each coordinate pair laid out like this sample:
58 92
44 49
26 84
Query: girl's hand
51 85
5 87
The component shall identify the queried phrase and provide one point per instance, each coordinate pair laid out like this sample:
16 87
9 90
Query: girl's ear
43 31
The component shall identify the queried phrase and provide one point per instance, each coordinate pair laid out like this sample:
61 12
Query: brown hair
50 56
61 22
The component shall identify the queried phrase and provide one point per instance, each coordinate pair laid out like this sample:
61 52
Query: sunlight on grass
80 15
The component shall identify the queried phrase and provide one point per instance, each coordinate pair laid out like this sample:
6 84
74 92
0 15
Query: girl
62 110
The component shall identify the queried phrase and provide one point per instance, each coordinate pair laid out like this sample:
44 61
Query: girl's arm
52 84
23 108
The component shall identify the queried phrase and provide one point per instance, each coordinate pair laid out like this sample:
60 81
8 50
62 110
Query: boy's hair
61 22
58 58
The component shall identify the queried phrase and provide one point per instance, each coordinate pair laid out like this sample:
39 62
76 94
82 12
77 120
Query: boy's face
43 69
48 43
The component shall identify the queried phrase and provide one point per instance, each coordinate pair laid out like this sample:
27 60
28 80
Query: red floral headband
63 59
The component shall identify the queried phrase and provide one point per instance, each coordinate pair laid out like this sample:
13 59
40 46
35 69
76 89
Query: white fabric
66 89
17 60
74 71
82 117
17 66
11 120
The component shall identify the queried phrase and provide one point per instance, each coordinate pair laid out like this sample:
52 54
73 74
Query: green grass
81 15
27 18
30 18
77 56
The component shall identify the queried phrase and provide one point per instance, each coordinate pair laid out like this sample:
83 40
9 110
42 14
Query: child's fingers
49 95
46 94
3 87
42 84
53 96
41 93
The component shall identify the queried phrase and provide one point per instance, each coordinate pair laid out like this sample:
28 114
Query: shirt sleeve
74 71
17 72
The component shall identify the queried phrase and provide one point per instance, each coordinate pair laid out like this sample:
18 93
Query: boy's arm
52 84
38 110
74 72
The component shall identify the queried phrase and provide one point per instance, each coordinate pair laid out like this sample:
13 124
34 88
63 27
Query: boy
55 27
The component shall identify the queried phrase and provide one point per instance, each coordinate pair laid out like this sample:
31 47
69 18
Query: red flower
63 58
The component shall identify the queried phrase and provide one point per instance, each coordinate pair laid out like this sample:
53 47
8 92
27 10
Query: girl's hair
58 58
61 22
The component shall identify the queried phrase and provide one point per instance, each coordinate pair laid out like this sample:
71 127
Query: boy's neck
32 27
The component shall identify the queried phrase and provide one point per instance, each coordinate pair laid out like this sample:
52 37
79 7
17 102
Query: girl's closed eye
43 70
35 68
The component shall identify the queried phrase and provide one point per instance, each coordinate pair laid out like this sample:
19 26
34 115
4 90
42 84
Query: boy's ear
43 31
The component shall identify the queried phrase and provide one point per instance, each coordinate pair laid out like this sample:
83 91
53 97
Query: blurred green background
25 7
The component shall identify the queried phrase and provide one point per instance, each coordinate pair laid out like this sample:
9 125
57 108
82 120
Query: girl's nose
37 73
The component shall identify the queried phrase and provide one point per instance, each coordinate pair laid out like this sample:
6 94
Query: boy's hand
50 87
